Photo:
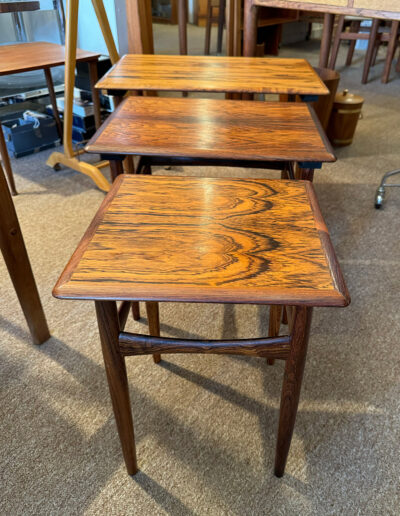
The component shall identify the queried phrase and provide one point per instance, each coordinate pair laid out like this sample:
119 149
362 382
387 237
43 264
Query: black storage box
22 138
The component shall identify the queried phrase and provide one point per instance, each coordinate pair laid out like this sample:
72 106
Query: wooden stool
219 18
375 37
205 240
135 72
196 131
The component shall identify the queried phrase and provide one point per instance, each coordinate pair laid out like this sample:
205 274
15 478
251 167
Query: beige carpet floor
206 426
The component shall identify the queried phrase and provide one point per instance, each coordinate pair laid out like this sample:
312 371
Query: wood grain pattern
384 9
24 57
208 128
206 240
15 7
213 74
136 344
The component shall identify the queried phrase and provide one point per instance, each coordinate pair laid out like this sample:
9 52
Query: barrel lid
348 98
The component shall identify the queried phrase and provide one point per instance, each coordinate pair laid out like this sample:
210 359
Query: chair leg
153 318
394 34
275 315
135 310
354 27
336 43
221 23
292 385
107 319
208 29
370 51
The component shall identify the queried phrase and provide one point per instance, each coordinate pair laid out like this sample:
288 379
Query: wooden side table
220 132
41 55
205 240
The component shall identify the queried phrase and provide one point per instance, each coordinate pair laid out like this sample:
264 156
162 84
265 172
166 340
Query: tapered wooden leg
221 23
354 27
116 168
153 318
336 43
182 22
93 76
307 174
53 99
394 30
250 28
5 158
284 315
275 315
107 319
329 20
135 310
14 252
208 29
370 50
292 385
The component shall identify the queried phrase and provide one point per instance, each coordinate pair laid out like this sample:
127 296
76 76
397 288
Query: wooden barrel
344 118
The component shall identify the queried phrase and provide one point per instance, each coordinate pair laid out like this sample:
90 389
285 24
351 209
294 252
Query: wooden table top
23 57
385 9
213 74
212 129
17 7
206 240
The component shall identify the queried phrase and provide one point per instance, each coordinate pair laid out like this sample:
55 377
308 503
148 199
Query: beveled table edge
338 296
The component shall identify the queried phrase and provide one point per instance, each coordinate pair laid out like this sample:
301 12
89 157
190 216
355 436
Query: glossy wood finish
136 344
37 55
16 257
17 7
109 328
214 74
208 128
206 240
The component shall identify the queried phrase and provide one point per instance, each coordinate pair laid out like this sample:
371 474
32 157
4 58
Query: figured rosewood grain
136 344
108 322
292 385
214 74
206 240
214 129
24 57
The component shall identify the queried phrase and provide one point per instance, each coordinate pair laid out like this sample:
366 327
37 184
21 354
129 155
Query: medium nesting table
40 55
196 131
205 240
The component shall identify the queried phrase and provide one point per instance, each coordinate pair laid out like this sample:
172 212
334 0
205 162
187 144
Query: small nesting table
41 55
213 132
213 74
208 241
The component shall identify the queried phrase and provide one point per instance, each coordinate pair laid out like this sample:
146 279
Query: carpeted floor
206 425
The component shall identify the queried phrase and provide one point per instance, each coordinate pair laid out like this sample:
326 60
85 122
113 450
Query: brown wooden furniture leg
6 162
17 261
221 23
153 318
292 385
182 21
107 319
52 95
275 315
354 27
208 29
336 43
93 75
250 29
306 174
116 168
135 310
394 34
329 20
370 51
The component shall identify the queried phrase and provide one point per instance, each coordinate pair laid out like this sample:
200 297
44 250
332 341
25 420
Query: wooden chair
219 18
376 35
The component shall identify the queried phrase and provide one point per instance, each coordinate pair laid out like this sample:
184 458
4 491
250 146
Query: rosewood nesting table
213 74
205 240
41 55
196 131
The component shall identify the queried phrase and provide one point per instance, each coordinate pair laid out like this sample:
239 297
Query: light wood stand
69 157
